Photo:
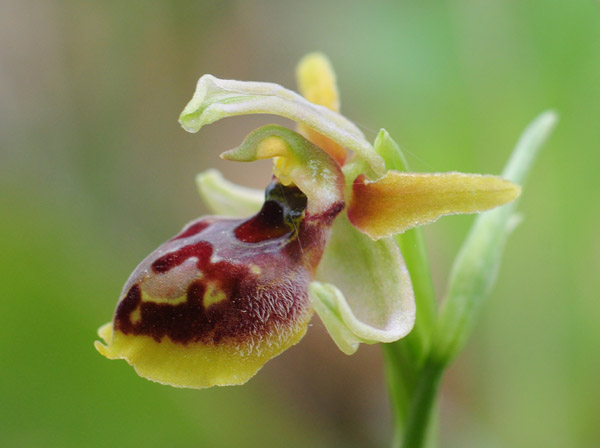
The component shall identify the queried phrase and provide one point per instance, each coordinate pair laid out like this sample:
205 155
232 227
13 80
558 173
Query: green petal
218 98
373 299
226 198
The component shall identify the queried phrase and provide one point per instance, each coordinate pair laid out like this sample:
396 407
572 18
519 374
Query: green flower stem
415 364
422 418
400 381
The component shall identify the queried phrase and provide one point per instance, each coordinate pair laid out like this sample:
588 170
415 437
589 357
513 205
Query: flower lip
192 230
229 293
222 269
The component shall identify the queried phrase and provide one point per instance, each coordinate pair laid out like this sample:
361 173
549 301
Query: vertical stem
422 412
401 379
405 358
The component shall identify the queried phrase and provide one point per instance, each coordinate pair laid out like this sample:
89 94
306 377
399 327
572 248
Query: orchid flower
214 303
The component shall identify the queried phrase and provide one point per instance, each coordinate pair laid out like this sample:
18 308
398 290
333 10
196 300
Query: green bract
478 261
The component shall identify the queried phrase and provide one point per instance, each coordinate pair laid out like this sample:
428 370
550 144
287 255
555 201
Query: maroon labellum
225 279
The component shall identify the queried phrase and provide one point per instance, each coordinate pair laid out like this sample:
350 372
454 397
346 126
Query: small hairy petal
317 83
400 201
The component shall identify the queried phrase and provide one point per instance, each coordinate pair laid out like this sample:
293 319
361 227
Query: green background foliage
95 172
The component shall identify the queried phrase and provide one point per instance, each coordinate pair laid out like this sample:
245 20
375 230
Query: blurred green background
96 172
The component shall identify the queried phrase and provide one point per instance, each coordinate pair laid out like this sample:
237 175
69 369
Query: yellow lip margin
197 365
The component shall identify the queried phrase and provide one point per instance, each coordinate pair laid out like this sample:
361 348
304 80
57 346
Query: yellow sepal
317 83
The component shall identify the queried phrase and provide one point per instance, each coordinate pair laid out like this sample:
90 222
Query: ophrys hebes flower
225 295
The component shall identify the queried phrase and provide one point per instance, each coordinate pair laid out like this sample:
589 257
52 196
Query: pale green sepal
477 263
346 330
373 294
226 198
324 298
216 98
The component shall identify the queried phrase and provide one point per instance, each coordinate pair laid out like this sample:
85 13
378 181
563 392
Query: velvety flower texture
218 300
